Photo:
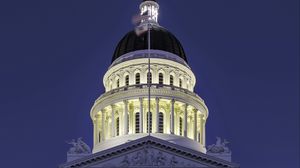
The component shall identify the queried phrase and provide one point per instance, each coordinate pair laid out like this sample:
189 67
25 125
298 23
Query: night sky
53 55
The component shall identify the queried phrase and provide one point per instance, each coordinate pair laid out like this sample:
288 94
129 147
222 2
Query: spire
150 8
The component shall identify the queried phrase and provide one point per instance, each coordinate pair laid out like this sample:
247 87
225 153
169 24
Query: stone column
103 125
201 129
96 129
141 116
195 124
113 129
203 136
157 115
172 116
185 120
125 117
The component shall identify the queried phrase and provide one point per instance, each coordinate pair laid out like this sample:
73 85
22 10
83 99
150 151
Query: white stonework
149 152
165 128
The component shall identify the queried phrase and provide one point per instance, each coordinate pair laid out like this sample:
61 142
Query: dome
161 39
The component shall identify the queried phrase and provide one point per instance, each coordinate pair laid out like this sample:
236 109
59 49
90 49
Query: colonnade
121 118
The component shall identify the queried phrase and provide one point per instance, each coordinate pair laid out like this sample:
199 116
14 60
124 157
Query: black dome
161 39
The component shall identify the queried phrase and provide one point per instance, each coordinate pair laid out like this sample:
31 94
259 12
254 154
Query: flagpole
149 85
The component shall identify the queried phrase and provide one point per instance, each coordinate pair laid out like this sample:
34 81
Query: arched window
137 78
149 77
171 80
137 122
160 78
118 126
180 125
161 122
118 82
180 82
127 80
150 122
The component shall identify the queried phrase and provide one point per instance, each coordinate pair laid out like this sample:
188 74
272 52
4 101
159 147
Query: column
96 129
203 137
195 124
141 116
103 125
201 129
185 120
113 129
157 115
172 116
125 117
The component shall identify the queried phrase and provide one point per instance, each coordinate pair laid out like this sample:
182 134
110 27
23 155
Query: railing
153 86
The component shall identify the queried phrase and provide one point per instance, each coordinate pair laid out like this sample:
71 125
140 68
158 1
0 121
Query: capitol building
149 115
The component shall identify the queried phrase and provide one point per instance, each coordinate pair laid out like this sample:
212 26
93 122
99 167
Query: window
180 125
127 80
137 78
161 122
150 122
160 78
118 126
180 82
137 122
118 82
171 80
149 77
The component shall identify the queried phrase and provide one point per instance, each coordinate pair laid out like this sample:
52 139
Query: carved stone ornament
219 147
79 147
149 157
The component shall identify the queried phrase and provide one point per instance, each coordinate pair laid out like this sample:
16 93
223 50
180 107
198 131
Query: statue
219 147
79 147
161 159
137 159
173 161
125 162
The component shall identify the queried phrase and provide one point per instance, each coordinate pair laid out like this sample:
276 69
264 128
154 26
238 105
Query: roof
161 39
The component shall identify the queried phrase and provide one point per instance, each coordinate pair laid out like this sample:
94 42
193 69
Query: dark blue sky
53 55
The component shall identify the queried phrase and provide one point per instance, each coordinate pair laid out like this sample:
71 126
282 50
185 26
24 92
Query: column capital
141 98
98 115
157 99
195 110
202 116
173 100
125 102
186 105
113 106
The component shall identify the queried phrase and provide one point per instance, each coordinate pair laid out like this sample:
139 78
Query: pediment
148 156
149 152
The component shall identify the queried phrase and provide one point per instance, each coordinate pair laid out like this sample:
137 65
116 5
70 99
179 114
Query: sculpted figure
73 149
219 147
125 162
173 161
137 159
78 147
161 159
84 147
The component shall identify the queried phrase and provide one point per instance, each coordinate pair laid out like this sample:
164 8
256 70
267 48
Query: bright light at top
152 9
